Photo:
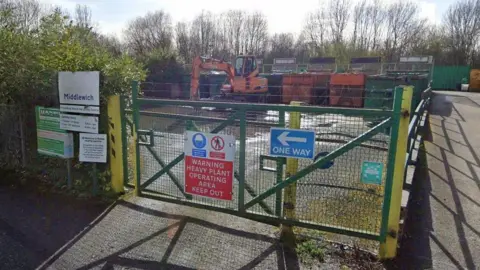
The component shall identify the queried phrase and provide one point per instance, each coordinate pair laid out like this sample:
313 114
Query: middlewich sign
79 88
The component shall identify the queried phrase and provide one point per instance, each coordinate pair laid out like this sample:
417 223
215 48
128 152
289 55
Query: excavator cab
245 65
243 80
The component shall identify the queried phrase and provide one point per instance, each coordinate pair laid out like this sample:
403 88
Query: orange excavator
243 81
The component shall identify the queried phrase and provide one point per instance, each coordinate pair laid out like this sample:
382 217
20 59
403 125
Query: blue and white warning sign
199 141
209 164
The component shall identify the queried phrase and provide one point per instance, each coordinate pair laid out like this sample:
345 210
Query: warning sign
209 165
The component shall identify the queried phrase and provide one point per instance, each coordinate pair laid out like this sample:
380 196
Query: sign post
79 94
51 139
284 142
209 164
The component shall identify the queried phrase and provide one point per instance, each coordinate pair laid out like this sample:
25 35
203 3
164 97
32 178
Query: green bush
30 60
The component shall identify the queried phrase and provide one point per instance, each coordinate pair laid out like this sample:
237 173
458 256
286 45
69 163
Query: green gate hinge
143 140
270 169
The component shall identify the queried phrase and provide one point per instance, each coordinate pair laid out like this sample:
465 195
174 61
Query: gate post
395 174
136 123
115 144
290 193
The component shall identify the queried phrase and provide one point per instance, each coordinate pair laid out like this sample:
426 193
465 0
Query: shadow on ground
440 232
34 225
415 251
136 236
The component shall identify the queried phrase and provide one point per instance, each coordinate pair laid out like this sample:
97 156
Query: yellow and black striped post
115 148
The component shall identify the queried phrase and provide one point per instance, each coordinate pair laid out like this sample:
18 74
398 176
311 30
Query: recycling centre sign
209 164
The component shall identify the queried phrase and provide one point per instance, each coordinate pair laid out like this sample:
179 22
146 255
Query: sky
112 15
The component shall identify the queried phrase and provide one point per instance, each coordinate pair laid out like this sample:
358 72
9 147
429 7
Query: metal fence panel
449 77
334 197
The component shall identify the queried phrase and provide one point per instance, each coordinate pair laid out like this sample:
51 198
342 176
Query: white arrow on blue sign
292 143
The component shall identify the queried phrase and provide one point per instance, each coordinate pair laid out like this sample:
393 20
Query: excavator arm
205 63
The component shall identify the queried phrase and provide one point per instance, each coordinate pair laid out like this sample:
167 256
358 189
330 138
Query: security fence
347 188
309 89
20 160
13 137
417 121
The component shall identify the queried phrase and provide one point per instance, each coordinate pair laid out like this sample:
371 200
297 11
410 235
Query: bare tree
111 43
83 16
339 11
182 42
376 14
368 26
302 50
362 27
203 34
233 22
84 25
282 45
222 48
433 42
153 31
359 18
316 30
7 17
462 25
24 15
255 34
403 29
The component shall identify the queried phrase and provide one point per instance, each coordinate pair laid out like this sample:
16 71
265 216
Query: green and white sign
51 140
372 173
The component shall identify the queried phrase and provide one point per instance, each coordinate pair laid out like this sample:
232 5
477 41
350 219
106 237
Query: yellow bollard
290 192
115 148
389 248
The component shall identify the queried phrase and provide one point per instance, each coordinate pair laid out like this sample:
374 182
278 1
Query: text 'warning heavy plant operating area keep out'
209 164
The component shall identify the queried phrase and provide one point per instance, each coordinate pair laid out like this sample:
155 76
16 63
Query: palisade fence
18 149
18 138
13 137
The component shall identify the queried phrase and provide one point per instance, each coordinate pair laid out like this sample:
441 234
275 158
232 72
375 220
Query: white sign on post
79 88
81 123
93 148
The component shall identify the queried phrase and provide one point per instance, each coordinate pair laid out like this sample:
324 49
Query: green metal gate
327 198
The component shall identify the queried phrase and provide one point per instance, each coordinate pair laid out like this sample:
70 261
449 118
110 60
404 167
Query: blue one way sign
292 143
